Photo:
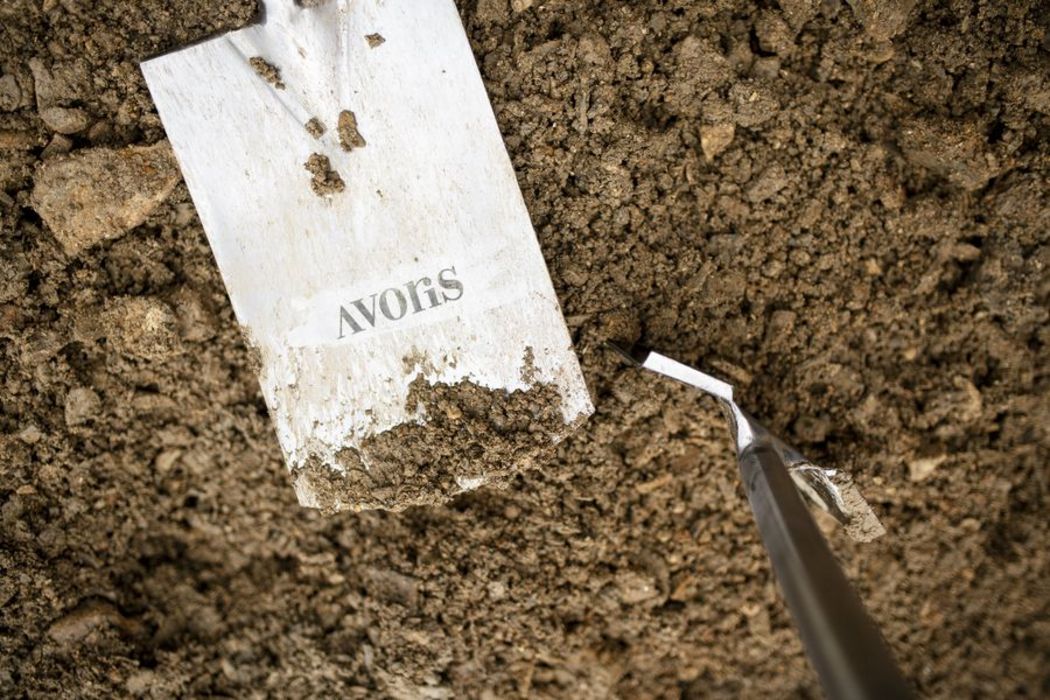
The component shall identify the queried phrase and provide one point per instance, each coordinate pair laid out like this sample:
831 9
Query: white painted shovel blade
430 210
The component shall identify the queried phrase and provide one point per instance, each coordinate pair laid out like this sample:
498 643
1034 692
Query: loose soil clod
267 71
325 180
65 120
890 315
469 436
98 194
315 127
349 137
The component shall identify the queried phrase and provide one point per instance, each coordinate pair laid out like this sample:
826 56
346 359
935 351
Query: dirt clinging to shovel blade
325 180
267 71
349 136
315 127
469 436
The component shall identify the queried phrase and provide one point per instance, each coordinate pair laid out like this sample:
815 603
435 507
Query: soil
325 180
468 435
349 137
315 127
843 206
267 71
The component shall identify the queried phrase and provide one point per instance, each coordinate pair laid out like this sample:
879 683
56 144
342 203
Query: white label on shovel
385 268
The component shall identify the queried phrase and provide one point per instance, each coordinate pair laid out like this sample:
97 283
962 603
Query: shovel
842 641
350 175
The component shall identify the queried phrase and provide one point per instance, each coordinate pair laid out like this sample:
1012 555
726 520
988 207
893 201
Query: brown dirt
851 218
267 71
349 137
315 127
325 180
469 432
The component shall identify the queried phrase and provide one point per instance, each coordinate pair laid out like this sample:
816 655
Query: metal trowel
842 641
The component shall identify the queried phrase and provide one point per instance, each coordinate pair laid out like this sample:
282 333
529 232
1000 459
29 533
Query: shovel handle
842 641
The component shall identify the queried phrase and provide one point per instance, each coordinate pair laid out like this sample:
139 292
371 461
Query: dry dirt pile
844 207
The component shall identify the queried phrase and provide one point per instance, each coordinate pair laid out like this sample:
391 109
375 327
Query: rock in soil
81 406
715 138
140 327
882 19
65 120
96 194
10 93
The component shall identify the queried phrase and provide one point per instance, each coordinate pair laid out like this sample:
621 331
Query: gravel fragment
10 93
97 194
60 83
715 138
921 468
65 120
58 146
772 180
954 150
82 405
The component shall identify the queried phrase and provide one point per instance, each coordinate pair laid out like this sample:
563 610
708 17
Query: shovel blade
357 195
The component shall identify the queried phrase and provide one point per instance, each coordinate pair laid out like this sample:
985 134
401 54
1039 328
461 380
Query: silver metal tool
843 643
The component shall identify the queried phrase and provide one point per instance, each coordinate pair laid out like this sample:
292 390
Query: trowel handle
842 642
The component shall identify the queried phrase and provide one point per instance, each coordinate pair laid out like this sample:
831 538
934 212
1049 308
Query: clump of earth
466 436
842 207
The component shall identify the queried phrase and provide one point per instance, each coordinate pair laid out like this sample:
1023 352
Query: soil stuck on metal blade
470 436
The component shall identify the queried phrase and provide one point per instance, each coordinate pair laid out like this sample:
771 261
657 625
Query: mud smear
471 436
